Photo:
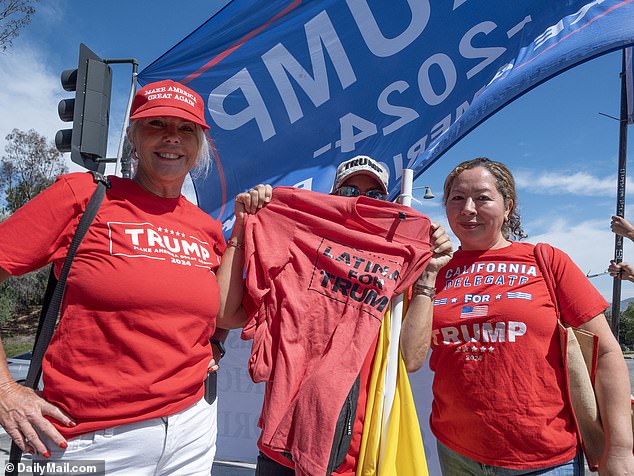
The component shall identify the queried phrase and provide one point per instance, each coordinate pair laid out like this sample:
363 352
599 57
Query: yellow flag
403 453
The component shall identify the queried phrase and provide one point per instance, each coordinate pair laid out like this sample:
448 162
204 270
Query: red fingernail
72 424
63 445
46 454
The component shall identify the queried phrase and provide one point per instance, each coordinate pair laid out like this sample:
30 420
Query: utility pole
620 195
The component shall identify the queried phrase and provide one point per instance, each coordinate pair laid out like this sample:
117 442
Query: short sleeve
579 301
219 244
41 230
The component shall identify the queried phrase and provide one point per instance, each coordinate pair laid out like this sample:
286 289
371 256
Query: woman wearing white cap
124 374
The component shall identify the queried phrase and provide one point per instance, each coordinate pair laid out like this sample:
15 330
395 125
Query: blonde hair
504 183
203 159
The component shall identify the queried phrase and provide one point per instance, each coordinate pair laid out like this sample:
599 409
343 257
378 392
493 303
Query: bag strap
53 300
543 257
48 326
48 294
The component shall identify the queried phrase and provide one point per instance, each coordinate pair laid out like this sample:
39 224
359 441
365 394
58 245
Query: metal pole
620 201
405 198
125 161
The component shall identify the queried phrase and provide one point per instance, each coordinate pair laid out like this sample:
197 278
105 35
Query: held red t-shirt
349 465
499 382
321 270
140 300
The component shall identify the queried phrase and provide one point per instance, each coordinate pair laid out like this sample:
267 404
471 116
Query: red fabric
349 465
321 270
133 342
507 385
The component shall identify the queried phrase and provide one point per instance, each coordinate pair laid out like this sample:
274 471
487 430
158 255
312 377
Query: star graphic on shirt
474 349
172 232
165 230
491 349
483 349
498 297
160 229
454 300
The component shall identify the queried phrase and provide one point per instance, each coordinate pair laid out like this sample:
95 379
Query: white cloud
29 94
590 244
579 183
54 12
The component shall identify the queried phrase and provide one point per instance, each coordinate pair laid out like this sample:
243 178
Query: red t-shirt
140 300
321 270
349 465
499 383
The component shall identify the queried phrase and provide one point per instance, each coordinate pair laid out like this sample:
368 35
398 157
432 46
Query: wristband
220 345
428 291
234 243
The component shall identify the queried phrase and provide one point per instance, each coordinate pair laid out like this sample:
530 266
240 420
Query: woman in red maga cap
124 374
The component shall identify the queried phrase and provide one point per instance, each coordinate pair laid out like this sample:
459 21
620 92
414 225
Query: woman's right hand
22 415
441 247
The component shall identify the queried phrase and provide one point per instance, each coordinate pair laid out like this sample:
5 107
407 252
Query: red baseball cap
171 99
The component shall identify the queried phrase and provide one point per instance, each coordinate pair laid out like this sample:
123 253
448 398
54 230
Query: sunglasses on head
352 191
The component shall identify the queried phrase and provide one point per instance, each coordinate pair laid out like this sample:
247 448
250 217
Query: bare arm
22 411
416 327
622 227
612 387
621 270
231 314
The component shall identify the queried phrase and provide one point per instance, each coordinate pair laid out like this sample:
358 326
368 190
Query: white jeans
179 444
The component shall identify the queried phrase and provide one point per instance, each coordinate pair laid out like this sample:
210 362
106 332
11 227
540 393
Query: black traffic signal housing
89 111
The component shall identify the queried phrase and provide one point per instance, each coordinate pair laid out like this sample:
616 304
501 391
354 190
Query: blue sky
562 151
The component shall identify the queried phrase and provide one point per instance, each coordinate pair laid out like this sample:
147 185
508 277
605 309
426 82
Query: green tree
30 165
20 294
626 327
14 15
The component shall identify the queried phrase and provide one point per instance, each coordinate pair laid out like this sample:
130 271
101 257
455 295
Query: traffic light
89 111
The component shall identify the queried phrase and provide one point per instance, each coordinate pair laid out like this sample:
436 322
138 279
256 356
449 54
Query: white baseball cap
361 165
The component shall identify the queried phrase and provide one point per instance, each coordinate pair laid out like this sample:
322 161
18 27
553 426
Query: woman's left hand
252 200
621 270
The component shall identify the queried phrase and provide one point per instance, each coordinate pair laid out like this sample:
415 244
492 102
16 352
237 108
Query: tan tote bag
579 351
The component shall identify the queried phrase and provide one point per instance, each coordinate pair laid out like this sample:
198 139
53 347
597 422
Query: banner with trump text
293 87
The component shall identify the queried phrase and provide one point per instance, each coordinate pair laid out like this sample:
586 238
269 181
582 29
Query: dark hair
505 184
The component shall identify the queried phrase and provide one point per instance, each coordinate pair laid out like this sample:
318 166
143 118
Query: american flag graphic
519 296
440 302
474 311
